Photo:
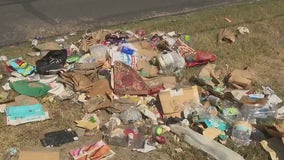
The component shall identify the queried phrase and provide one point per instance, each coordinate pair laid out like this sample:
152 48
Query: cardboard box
174 101
241 79
39 155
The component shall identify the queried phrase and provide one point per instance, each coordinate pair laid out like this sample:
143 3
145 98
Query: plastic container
127 50
213 100
252 113
241 132
130 115
170 62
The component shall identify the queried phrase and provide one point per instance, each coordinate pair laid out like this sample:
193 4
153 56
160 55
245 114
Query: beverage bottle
241 132
108 128
112 124
151 130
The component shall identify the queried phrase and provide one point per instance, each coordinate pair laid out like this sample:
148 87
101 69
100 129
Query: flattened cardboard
173 101
100 87
148 53
211 132
165 81
151 70
168 81
241 79
39 155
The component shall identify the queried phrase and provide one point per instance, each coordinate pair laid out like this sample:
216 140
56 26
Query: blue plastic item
214 122
22 112
21 67
127 50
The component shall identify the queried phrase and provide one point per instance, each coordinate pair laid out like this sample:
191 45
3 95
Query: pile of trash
138 78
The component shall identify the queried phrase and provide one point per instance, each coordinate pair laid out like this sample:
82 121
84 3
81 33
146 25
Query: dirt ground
262 50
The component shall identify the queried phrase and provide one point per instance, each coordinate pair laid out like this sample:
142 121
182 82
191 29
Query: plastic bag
130 115
53 60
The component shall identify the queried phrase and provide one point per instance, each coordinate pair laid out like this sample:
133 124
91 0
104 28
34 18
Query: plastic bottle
241 132
135 136
112 124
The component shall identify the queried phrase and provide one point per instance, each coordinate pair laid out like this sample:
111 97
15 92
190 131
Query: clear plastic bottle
241 132
108 128
112 124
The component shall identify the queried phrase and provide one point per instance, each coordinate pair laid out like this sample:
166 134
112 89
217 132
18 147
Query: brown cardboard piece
148 53
165 81
168 81
98 102
86 124
146 67
253 102
240 79
39 155
274 147
208 75
100 87
226 35
211 132
279 127
173 101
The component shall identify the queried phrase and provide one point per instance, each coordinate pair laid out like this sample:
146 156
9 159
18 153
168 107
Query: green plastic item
73 58
231 111
33 89
159 131
187 38
92 119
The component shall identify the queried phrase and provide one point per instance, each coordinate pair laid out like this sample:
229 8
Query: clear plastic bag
99 52
130 115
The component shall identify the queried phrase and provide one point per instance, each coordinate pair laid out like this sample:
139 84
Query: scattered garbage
213 148
243 30
23 114
273 146
130 115
21 67
241 132
38 153
98 150
54 59
89 121
57 138
226 36
137 78
11 153
35 89
228 20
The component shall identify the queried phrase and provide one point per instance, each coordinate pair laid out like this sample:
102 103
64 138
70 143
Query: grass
262 51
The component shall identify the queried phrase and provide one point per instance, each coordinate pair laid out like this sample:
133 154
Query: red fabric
201 57
128 81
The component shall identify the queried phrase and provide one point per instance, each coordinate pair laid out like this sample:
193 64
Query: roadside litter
136 77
